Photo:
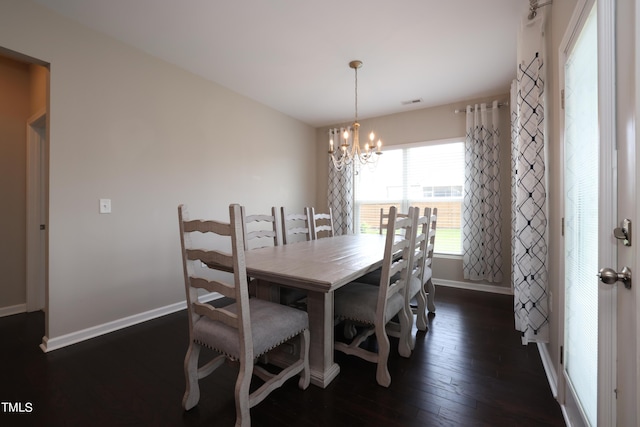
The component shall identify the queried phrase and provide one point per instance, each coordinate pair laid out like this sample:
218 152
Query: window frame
403 205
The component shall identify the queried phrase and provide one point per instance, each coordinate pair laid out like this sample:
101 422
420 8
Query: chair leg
431 296
383 377
349 330
405 340
305 376
422 322
192 392
243 383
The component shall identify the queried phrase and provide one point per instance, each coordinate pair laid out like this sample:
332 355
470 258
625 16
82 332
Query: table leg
267 291
320 310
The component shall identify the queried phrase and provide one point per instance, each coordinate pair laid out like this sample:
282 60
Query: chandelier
347 153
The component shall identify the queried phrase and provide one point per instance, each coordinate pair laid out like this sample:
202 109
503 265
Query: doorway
25 131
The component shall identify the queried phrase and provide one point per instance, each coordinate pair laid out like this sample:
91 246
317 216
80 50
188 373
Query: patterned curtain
340 193
528 187
481 214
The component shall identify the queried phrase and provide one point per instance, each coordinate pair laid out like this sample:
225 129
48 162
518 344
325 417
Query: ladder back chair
322 224
373 277
255 234
384 218
416 278
240 332
415 289
296 226
375 306
260 231
430 289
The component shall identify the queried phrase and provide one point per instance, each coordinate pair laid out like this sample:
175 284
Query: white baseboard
50 344
549 368
55 343
13 309
552 377
473 286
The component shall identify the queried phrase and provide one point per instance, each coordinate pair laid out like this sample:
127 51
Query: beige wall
430 124
14 112
147 135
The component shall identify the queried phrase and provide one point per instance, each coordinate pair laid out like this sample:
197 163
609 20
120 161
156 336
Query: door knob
609 276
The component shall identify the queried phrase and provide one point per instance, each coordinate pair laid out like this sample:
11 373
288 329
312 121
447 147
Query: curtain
481 211
528 186
340 193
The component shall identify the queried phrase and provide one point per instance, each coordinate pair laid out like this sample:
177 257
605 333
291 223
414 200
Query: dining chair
415 289
416 279
373 277
430 289
261 230
322 224
384 218
296 226
424 295
375 306
242 331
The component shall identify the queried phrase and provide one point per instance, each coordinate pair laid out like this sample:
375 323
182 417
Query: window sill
447 256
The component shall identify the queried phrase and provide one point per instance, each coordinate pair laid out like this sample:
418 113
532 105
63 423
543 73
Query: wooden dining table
319 267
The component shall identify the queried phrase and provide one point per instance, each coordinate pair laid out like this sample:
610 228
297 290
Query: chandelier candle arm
348 153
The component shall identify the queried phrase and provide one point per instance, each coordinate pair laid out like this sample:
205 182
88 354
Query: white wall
147 135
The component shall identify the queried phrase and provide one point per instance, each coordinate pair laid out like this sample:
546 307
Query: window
424 175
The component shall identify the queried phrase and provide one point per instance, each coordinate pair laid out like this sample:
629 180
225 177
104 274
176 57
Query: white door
597 389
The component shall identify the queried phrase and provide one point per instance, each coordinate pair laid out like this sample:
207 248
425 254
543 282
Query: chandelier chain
356 69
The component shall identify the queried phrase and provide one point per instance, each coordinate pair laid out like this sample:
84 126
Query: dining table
319 267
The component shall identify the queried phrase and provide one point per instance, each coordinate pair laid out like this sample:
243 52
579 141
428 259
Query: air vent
412 101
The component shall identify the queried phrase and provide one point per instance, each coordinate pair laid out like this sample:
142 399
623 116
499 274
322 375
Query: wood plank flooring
468 370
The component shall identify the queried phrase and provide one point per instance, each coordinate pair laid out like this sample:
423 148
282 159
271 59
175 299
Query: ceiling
293 55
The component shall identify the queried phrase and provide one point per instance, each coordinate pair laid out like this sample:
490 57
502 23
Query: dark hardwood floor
468 370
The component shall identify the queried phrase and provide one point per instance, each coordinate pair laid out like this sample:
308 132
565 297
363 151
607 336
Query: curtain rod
489 107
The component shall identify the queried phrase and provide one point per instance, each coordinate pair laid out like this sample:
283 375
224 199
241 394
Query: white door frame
36 211
608 308
628 120
636 266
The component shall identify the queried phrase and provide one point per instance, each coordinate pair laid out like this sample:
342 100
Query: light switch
105 206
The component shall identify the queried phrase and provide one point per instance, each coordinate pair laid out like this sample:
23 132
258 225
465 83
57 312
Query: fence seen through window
430 175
